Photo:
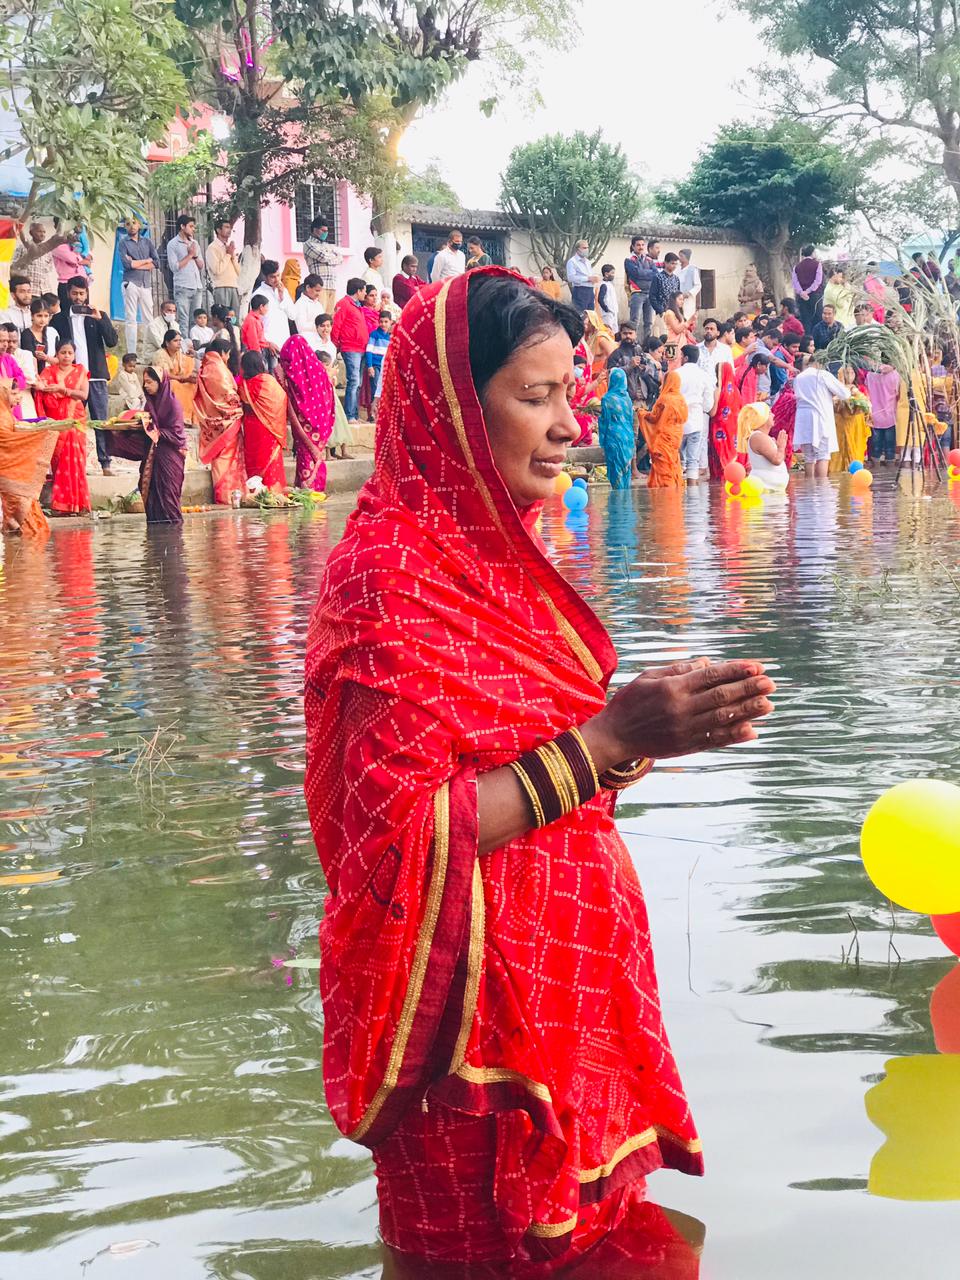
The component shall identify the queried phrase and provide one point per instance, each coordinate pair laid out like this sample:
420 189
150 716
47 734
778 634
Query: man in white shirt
307 307
279 313
581 278
373 258
697 386
450 260
690 284
18 312
815 429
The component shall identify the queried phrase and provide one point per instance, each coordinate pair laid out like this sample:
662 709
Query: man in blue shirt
139 259
666 284
581 278
183 259
640 270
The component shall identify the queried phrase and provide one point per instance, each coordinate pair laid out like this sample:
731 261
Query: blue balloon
575 499
855 467
580 482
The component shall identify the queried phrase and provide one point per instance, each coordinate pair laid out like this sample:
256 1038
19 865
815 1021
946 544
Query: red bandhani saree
71 493
219 413
723 424
264 428
492 1024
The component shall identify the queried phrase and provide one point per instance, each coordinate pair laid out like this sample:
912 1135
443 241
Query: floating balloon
945 1012
854 467
953 473
862 479
953 457
947 929
580 482
751 487
910 846
732 488
562 483
917 1108
734 472
575 499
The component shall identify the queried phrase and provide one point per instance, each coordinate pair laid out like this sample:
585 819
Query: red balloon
945 1011
948 931
953 457
734 472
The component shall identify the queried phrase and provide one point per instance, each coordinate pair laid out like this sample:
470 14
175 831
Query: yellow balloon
910 846
917 1108
562 483
752 487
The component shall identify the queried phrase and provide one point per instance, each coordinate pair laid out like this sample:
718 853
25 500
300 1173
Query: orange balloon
862 479
734 472
945 1012
953 457
948 930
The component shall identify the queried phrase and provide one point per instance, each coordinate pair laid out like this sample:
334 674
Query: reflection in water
917 1107
160 1074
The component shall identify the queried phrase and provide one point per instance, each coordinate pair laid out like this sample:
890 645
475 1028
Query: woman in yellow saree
220 417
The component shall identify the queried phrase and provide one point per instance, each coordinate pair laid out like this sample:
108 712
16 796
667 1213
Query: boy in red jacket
350 334
251 331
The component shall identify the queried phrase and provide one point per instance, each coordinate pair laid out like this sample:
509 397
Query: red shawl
519 983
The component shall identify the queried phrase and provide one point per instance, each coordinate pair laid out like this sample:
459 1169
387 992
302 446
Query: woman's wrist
605 749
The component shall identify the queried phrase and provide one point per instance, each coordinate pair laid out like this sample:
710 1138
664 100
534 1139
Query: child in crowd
376 350
252 336
387 304
607 301
883 389
126 385
341 436
52 303
321 341
201 334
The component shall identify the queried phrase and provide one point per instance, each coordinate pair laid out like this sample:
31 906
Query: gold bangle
561 775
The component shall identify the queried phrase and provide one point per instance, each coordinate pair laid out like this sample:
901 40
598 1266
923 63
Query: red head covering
444 643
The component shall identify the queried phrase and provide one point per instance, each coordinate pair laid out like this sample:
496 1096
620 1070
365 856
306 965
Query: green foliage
565 189
780 186
889 71
429 187
178 181
91 81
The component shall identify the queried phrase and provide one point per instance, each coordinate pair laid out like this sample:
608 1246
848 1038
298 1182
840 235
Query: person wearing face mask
449 261
322 260
157 330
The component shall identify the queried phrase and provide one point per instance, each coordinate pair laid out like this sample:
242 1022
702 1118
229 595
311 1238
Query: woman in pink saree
310 396
218 411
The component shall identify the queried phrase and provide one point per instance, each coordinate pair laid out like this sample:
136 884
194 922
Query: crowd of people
665 394
249 388
681 400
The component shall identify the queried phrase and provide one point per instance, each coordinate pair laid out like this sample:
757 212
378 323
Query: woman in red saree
219 413
264 422
310 395
492 1028
723 424
61 394
24 458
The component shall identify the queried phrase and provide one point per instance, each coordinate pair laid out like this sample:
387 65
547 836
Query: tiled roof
426 215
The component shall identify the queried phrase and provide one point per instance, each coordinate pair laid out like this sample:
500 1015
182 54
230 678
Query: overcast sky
657 79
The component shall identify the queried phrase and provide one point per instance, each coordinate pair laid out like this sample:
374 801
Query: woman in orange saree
264 422
61 393
492 1028
219 414
662 428
181 371
24 460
